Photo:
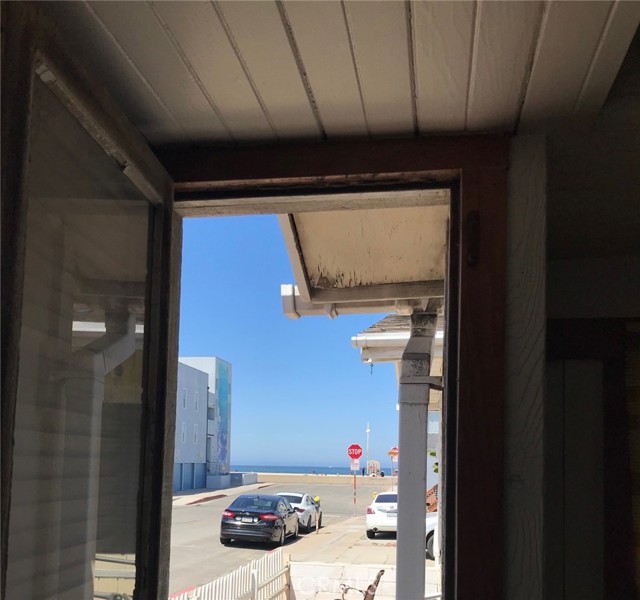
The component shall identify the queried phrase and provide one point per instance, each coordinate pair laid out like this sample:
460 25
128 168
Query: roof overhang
387 256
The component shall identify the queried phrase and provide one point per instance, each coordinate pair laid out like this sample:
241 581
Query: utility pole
367 464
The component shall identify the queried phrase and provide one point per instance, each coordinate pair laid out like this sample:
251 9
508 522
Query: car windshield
293 498
254 503
386 498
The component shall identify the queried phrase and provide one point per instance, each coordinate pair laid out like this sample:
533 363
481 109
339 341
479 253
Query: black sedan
258 518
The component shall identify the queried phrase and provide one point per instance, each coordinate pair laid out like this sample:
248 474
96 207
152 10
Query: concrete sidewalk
187 498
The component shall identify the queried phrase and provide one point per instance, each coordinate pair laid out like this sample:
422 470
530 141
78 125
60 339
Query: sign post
354 452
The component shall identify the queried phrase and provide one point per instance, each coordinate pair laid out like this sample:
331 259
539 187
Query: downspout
413 400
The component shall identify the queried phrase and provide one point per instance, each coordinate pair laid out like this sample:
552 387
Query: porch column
412 475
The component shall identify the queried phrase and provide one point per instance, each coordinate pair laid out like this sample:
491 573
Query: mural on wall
223 375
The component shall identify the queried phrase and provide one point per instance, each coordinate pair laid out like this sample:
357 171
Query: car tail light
228 513
298 509
269 517
370 511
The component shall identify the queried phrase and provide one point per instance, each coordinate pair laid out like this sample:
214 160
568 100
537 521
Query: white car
307 509
382 516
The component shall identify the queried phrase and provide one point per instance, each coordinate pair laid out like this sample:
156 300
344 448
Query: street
197 556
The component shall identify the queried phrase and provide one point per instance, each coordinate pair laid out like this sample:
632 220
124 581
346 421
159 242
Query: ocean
304 470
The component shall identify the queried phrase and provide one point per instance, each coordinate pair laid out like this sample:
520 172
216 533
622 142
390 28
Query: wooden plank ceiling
233 72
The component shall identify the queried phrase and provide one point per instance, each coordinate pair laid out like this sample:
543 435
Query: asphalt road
197 556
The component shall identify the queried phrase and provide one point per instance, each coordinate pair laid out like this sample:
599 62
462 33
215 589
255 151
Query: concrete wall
191 382
237 479
219 372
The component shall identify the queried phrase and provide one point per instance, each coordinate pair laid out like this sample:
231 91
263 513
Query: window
184 433
197 397
184 398
195 433
78 417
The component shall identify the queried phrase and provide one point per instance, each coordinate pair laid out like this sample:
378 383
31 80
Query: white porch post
412 475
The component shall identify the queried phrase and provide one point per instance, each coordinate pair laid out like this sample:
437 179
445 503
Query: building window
195 434
197 399
184 398
184 433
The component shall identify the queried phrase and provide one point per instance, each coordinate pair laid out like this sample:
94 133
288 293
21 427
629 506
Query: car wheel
371 534
225 541
430 554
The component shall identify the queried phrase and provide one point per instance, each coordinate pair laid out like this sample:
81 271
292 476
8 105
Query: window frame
277 179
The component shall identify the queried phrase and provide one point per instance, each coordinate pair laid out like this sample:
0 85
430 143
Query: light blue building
203 422
218 418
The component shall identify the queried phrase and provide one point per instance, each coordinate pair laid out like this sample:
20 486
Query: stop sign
354 451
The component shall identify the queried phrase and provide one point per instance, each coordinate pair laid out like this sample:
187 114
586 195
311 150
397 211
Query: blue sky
301 394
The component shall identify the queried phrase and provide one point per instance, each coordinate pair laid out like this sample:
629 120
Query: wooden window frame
284 178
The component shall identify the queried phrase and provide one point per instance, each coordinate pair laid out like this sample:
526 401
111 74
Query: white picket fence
262 579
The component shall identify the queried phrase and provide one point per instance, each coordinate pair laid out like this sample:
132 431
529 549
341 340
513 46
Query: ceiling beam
210 203
194 168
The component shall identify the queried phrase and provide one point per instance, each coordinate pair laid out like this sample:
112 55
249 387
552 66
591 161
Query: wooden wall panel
261 39
325 48
526 324
481 386
381 46
202 39
443 34
505 38
569 37
164 70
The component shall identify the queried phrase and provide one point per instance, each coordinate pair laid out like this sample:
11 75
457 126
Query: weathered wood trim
292 242
208 167
17 82
525 351
92 105
449 418
161 368
383 291
271 201
481 385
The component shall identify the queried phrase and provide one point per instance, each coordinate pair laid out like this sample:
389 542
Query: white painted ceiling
239 71
233 72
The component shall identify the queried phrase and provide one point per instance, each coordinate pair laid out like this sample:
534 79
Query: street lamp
368 431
